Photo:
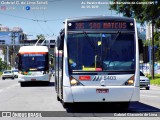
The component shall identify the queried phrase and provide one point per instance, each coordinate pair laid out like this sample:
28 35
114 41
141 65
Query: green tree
41 37
143 13
0 64
3 65
157 45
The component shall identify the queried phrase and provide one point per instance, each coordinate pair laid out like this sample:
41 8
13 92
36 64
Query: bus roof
117 18
33 49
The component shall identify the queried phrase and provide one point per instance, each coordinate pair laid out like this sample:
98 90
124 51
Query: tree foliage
3 65
143 11
157 45
41 37
149 12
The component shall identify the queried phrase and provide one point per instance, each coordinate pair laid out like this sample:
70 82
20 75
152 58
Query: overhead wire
39 24
36 20
16 16
49 29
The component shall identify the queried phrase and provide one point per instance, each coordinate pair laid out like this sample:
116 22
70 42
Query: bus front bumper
24 78
102 94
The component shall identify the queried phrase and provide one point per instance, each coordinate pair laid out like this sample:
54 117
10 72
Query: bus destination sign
101 25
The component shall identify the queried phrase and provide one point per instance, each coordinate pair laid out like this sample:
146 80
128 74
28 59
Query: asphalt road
38 98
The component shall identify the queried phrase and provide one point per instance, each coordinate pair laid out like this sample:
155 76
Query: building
9 39
12 39
10 36
4 28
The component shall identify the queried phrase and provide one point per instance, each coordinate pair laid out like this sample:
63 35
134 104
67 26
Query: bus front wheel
67 105
124 105
22 84
58 98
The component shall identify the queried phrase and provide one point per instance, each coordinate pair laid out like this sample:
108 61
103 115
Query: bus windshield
34 62
101 51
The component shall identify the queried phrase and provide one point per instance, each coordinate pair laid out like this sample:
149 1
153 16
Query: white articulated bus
97 60
33 64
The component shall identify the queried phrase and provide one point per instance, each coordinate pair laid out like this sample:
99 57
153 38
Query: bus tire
22 84
58 98
125 105
47 83
147 88
67 105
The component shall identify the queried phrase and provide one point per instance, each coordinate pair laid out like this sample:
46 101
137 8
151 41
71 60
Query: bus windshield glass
34 62
101 51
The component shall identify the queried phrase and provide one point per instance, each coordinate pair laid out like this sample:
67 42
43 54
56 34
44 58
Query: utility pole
0 26
7 56
13 36
152 49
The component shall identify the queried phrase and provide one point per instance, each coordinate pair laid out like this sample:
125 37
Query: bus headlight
130 81
74 82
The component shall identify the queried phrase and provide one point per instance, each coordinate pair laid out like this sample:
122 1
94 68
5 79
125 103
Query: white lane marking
1 90
12 86
149 96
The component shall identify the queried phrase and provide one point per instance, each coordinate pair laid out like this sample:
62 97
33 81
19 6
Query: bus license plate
102 90
33 79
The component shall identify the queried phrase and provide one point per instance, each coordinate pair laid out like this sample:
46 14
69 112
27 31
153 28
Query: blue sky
56 11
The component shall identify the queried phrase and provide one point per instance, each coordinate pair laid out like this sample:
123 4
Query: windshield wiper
117 34
90 42
115 38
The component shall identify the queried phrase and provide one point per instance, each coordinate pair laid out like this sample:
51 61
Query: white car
144 81
15 73
7 74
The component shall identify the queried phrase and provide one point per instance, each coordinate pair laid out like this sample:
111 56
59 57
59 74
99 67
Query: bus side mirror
140 46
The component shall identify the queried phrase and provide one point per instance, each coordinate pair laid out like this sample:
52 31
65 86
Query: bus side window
59 43
19 61
140 46
60 40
